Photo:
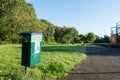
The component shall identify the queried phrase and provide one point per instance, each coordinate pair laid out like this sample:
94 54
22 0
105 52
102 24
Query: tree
98 39
17 16
106 39
90 37
77 40
65 34
48 32
83 38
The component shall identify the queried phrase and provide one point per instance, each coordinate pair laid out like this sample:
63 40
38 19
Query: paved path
102 64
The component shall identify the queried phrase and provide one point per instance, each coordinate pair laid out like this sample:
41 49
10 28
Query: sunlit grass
56 62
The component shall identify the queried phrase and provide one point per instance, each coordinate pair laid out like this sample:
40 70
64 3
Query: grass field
56 62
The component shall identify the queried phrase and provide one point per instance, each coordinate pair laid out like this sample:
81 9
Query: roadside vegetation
19 16
56 62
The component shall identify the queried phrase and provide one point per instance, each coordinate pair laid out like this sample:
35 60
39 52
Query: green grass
56 62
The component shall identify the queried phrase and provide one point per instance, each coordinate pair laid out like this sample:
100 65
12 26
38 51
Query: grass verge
56 62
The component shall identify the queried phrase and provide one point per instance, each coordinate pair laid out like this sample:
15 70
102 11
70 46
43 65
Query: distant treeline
17 16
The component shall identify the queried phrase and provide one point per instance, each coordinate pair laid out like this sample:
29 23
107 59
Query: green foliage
85 38
17 16
104 39
90 37
56 62
65 34
48 34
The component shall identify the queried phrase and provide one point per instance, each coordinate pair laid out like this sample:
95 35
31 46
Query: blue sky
97 16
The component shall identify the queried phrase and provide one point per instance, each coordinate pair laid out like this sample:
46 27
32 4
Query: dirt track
103 63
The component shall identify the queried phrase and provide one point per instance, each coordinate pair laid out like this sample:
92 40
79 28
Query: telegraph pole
116 32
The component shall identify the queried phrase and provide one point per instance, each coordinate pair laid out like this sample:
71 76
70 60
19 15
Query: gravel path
103 63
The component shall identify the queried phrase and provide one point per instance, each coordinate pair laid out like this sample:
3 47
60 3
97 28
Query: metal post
116 32
26 72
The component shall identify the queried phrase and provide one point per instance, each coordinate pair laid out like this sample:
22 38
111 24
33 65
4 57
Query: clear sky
97 16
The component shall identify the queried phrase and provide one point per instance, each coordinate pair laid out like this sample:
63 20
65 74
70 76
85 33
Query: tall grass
56 62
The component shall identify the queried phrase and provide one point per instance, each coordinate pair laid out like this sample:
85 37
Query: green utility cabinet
31 48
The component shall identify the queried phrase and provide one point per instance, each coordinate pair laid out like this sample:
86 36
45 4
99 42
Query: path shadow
57 48
92 50
66 48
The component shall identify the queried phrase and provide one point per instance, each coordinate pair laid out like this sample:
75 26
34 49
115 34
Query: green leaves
65 34
90 37
17 16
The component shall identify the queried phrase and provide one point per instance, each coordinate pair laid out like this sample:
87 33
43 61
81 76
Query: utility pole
116 32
